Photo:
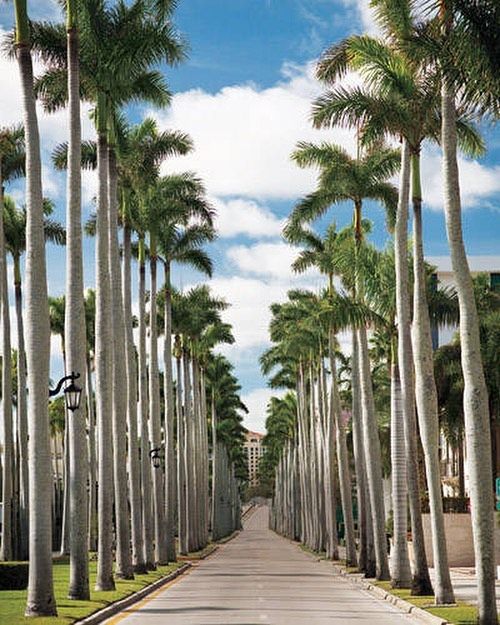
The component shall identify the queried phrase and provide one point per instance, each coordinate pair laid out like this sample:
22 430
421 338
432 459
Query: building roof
249 434
477 264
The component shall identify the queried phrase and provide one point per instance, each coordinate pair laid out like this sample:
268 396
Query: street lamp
72 392
155 457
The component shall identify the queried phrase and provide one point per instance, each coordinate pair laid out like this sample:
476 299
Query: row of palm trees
431 75
137 449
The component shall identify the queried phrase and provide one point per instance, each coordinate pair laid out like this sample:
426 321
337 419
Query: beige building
254 450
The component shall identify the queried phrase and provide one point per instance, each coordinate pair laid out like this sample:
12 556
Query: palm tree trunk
373 460
421 583
476 414
103 365
147 524
170 478
181 444
40 600
426 395
124 568
154 417
74 324
134 475
92 502
21 415
364 563
188 449
65 521
343 464
6 545
400 561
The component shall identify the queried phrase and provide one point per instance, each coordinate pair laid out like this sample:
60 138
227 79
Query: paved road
259 578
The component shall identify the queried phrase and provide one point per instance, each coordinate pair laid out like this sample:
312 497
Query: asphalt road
258 578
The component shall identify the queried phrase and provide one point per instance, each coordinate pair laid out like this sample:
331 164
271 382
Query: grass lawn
12 602
461 614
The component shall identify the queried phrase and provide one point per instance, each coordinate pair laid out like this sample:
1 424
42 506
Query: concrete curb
400 604
126 602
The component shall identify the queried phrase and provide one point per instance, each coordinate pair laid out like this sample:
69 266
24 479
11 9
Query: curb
122 604
402 605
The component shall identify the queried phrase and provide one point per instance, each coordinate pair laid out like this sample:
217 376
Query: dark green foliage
13 575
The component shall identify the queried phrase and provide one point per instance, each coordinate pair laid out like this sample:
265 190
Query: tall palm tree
117 35
400 98
182 245
40 600
15 240
343 178
75 335
322 253
474 25
12 161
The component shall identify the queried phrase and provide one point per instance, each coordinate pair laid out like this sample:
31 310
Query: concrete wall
458 529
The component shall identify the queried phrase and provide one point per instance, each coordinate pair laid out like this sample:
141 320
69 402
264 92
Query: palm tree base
105 586
140 569
421 587
47 610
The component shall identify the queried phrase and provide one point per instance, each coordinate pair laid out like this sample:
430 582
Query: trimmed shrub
13 575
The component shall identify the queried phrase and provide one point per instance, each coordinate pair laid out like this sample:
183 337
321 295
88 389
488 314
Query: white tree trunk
124 568
21 417
6 545
154 424
75 338
421 584
134 475
477 419
427 409
170 468
147 520
40 600
373 460
103 370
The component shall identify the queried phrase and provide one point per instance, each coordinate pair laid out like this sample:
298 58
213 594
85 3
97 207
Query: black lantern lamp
72 392
155 457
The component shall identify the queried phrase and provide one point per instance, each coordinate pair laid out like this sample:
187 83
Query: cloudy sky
244 96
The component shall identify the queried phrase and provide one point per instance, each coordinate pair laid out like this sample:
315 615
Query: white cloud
256 402
244 135
477 181
241 216
268 259
53 127
365 15
249 313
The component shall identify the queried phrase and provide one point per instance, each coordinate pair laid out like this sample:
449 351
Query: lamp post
155 457
72 392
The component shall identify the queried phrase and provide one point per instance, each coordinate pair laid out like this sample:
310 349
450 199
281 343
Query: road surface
261 578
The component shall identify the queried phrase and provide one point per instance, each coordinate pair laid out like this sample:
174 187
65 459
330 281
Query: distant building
444 277
440 336
254 451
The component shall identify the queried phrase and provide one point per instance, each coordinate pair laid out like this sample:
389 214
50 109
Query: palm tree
117 36
12 159
477 22
183 195
142 148
75 335
15 240
344 178
322 254
40 600
400 99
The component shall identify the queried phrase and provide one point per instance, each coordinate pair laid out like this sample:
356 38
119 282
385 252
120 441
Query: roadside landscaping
13 602
461 614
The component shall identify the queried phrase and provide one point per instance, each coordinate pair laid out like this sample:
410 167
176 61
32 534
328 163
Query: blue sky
244 96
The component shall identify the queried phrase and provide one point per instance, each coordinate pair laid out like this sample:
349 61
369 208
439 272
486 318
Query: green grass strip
13 602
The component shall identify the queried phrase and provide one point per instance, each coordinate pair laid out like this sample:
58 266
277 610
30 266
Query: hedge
13 575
